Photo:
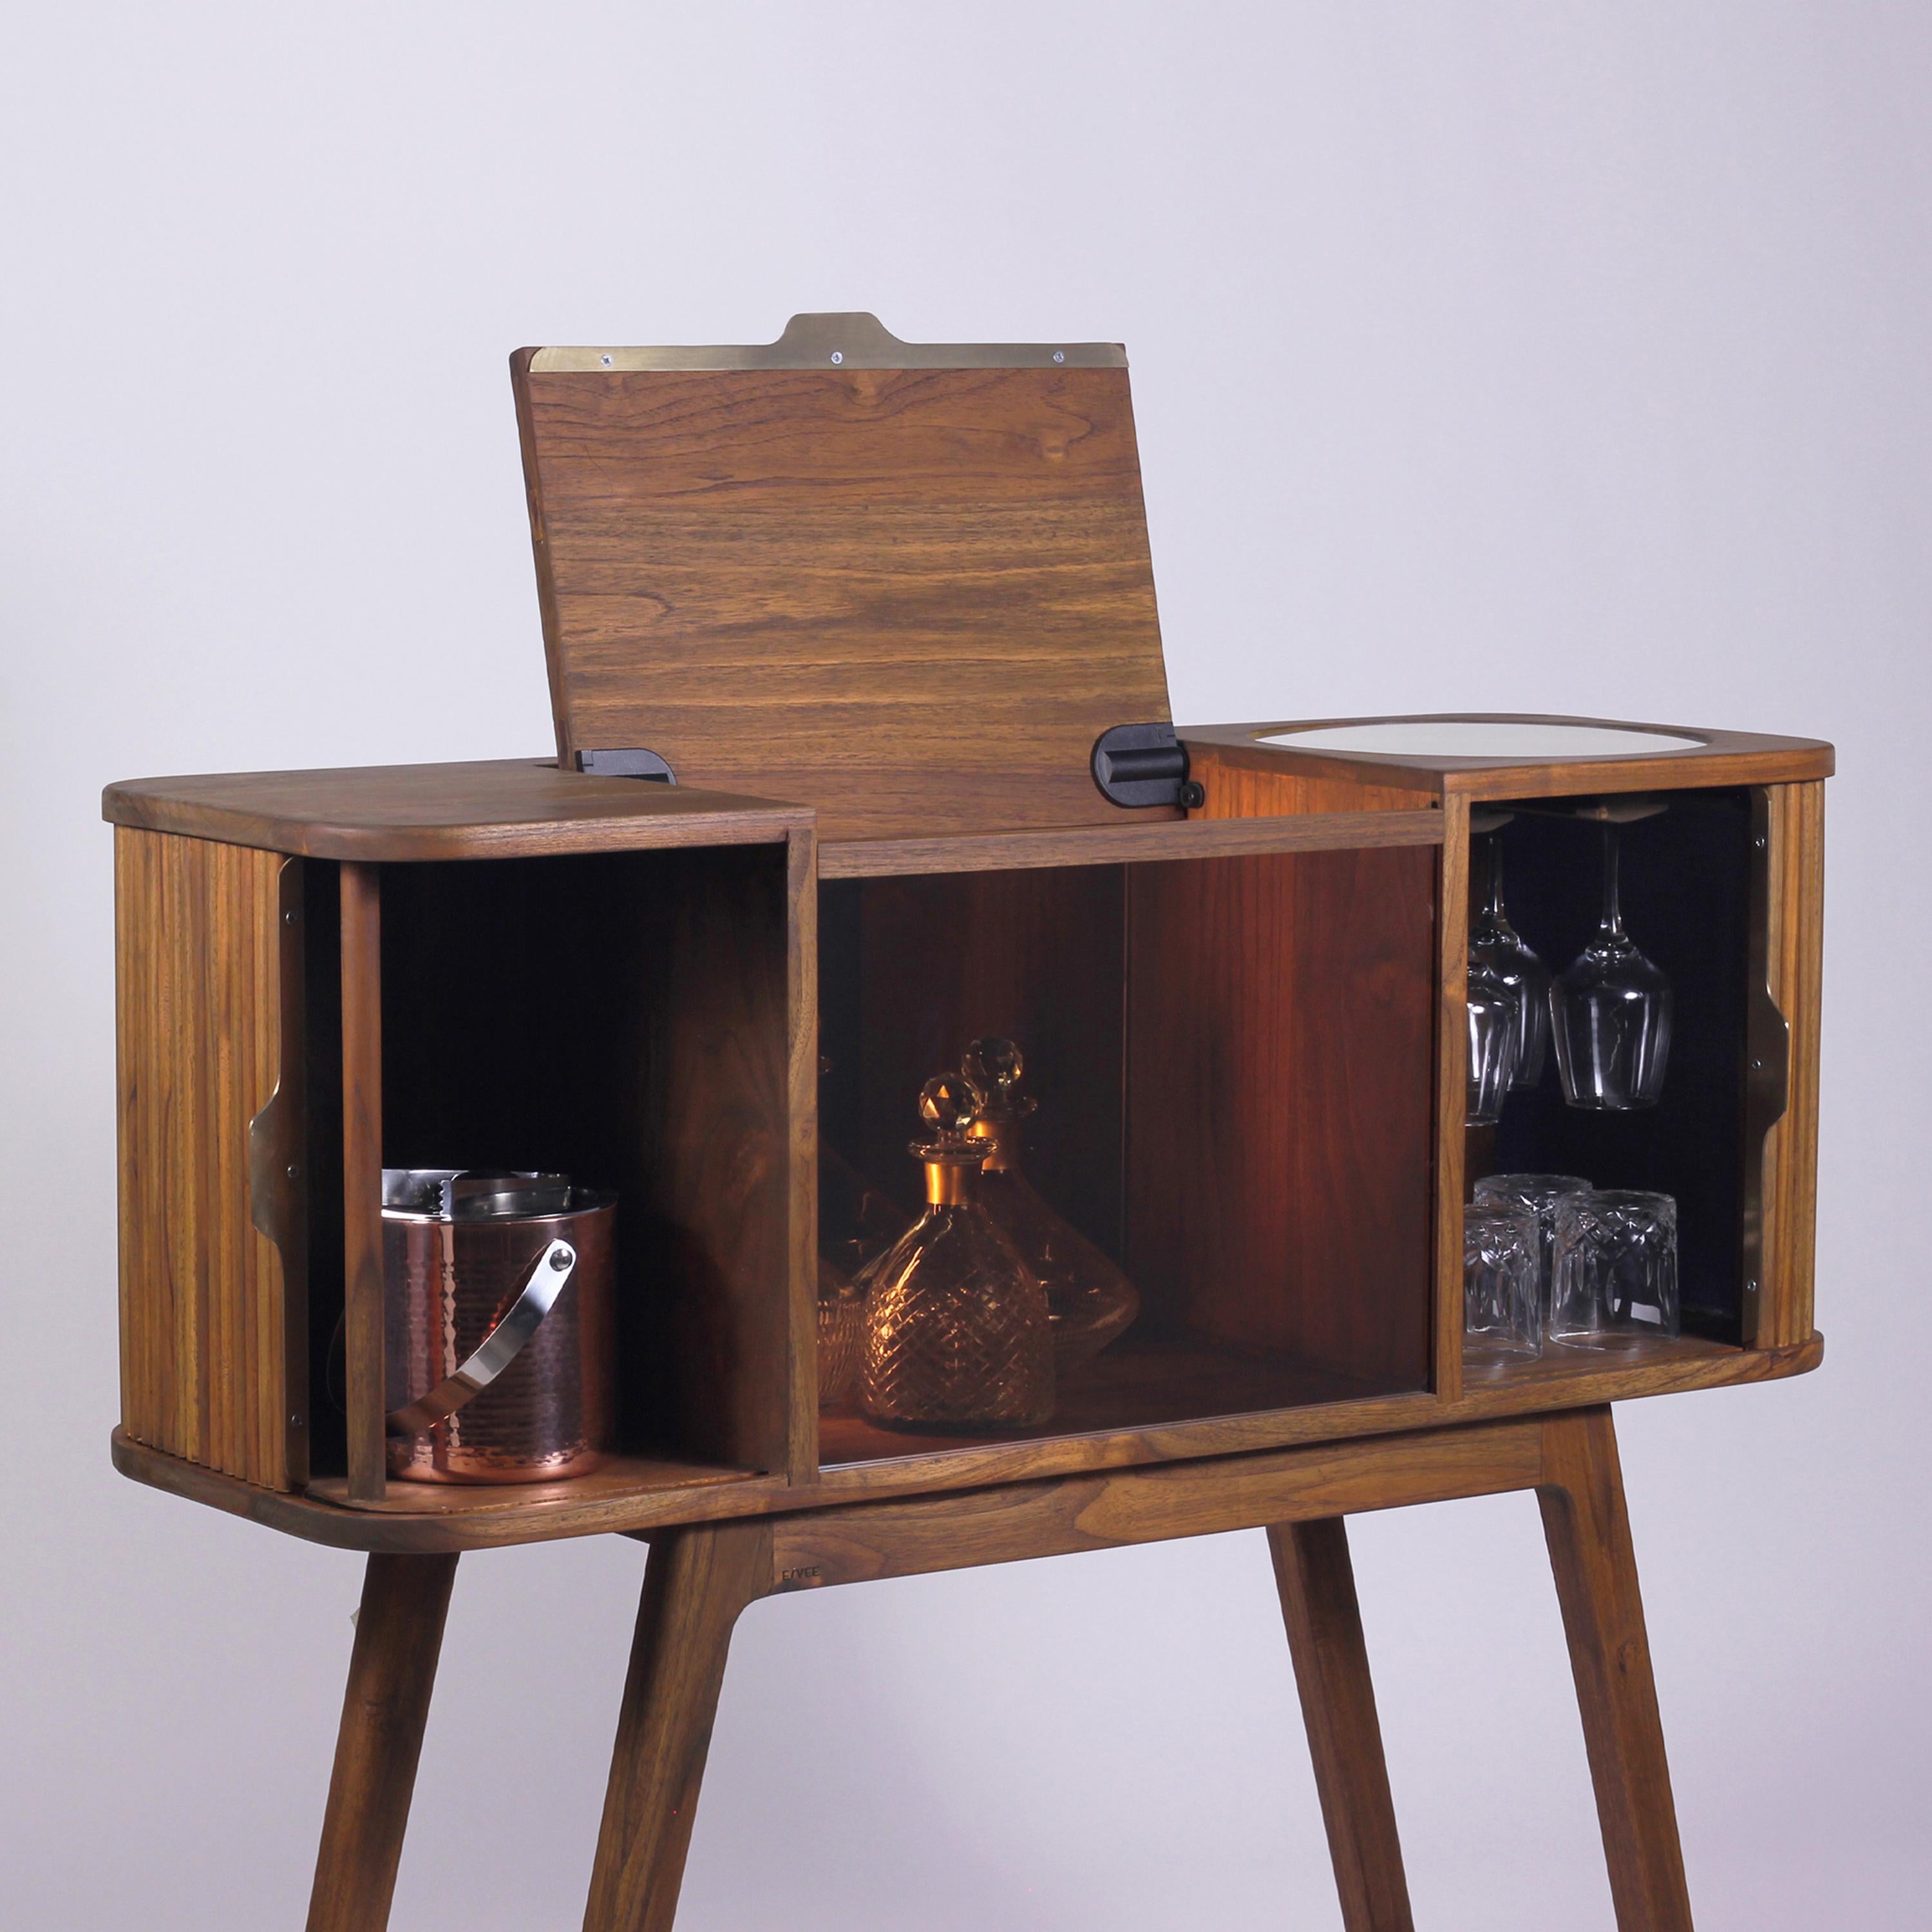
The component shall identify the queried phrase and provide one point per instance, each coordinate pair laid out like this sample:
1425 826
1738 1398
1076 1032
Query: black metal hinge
633 762
1143 765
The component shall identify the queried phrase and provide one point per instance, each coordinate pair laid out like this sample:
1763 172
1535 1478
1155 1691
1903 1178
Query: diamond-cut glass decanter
1089 1300
957 1335
856 1223
842 1334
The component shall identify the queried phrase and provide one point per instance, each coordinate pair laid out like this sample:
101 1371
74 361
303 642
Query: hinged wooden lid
907 584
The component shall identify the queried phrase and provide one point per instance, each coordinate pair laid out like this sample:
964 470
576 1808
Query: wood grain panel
1301 828
911 597
384 1710
726 1040
1317 1584
1795 960
1258 781
1452 1056
696 1583
1242 780
365 1382
484 808
643 1495
1586 1524
206 1330
1011 1523
1721 758
1281 1042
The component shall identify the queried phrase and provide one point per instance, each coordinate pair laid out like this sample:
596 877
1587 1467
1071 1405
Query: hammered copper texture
549 1415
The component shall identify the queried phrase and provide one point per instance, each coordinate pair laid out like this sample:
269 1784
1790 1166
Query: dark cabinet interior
1692 891
620 1017
1233 1061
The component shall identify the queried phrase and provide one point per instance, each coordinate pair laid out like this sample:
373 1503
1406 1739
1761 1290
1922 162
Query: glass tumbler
1615 1270
1538 1193
1502 1314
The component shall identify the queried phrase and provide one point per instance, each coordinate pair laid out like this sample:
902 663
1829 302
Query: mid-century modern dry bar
862 750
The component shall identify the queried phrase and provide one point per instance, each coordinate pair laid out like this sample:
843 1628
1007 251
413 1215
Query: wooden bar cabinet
862 750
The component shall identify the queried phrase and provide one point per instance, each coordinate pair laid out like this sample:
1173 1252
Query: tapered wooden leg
1584 1518
696 1582
391 1672
1338 1705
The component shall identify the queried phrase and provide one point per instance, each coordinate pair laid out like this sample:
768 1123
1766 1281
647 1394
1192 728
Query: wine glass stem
1613 918
1494 907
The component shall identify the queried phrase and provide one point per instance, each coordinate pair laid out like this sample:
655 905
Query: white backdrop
1567 358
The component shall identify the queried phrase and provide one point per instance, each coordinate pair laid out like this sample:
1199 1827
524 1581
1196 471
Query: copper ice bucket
498 1289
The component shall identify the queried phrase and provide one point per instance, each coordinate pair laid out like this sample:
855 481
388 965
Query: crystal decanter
856 1223
841 1334
957 1336
1089 1300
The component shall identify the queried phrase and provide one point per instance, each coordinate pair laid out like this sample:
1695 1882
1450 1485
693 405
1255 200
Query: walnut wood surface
697 1582
391 1674
364 1380
1317 1584
1013 1522
1134 839
1794 958
492 809
1452 1053
801 1055
622 1477
1588 1529
593 1506
1241 780
1723 758
1280 1046
208 1335
700 1579
912 599
720 1173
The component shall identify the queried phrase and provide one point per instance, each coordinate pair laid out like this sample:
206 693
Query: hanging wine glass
1494 1025
1495 943
1610 1014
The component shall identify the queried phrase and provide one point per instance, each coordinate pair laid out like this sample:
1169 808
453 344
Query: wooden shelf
1559 1364
635 1494
622 1477
1135 1385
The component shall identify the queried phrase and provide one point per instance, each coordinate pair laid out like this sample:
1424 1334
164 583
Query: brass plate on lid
857 341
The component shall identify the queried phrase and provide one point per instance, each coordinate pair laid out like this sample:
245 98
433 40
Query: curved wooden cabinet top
492 809
1717 758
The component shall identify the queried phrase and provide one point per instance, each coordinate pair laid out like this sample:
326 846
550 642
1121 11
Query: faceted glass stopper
948 1106
993 1067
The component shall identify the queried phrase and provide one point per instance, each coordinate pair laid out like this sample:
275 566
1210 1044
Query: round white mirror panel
1482 738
